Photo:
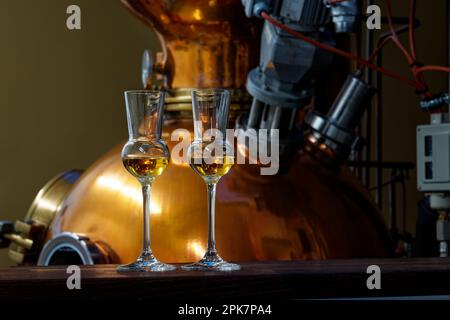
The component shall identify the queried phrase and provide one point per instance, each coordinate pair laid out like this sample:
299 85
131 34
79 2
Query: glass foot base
211 262
140 265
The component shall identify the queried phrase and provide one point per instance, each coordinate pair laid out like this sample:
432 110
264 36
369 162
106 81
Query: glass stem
146 248
211 249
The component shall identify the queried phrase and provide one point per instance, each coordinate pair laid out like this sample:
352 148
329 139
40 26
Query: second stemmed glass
145 156
211 157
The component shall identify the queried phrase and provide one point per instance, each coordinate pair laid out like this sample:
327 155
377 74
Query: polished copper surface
207 43
309 213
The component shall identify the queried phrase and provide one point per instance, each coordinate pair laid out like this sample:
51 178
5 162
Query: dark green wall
61 91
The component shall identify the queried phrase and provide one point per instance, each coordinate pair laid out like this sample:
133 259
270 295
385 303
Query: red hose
394 34
420 70
412 40
345 54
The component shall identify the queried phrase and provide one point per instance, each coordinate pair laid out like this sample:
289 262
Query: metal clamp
74 248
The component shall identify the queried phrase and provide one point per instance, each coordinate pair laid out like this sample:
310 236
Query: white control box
433 158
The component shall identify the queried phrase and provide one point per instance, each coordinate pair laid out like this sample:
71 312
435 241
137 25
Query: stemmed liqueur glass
145 156
211 157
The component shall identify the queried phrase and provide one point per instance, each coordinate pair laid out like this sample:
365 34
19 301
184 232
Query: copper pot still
308 212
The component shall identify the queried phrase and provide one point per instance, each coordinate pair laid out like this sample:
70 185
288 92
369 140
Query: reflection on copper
209 43
307 212
197 248
197 14
298 215
126 191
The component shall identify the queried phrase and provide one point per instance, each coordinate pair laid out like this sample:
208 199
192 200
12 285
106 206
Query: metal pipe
379 133
275 121
292 119
350 103
399 165
379 113
393 207
255 113
368 116
448 40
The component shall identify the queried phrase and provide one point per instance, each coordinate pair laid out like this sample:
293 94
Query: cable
420 70
394 179
412 40
380 45
412 43
417 85
410 57
411 61
394 34
383 40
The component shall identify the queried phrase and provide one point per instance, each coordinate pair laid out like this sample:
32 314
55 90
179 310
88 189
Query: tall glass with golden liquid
211 157
145 156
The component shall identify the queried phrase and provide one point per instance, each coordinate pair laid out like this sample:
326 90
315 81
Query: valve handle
6 228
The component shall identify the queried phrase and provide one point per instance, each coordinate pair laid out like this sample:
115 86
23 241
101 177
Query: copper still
307 212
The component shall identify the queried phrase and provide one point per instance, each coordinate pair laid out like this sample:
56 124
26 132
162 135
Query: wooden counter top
266 280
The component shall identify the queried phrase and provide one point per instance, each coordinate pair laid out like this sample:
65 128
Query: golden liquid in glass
217 167
145 167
